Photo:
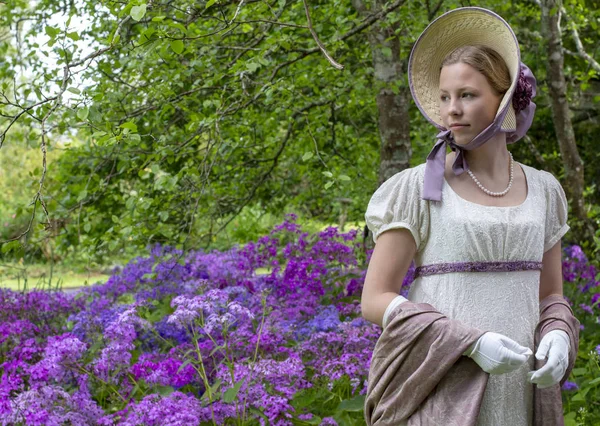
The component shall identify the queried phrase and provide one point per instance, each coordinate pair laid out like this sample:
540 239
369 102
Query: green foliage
188 117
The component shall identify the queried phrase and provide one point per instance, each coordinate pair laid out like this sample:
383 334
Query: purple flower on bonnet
523 92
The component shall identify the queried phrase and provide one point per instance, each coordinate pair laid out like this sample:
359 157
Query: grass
18 276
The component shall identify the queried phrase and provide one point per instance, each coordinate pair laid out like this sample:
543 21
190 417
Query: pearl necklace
495 194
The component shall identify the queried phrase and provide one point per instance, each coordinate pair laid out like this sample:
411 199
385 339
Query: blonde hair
485 60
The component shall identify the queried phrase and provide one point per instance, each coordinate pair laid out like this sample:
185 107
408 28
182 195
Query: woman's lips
458 126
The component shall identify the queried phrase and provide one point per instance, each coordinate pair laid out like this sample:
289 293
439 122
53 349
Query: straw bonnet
454 29
460 27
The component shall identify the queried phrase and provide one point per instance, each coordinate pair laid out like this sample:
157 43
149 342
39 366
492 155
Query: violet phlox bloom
269 385
60 356
575 252
49 406
211 308
17 330
220 268
595 300
176 409
91 323
327 319
11 383
570 386
121 334
157 369
216 322
575 266
29 349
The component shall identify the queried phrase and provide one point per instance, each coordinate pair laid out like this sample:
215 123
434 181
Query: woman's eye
467 95
444 97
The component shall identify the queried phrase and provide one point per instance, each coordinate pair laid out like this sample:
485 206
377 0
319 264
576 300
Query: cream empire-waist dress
454 237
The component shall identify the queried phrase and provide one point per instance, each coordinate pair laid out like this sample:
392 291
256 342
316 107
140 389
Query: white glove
556 345
395 302
498 354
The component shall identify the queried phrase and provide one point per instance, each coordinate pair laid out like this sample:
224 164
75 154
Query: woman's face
468 103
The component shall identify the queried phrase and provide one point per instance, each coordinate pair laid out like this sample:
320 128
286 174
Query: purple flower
570 386
51 405
523 92
211 309
575 252
121 334
61 354
164 372
156 410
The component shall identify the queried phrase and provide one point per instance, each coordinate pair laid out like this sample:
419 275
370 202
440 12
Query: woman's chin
462 140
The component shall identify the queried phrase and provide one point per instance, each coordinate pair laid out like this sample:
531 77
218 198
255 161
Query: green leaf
570 419
73 36
51 31
74 90
594 382
215 349
183 364
82 195
82 113
252 66
177 46
328 184
213 389
138 12
209 3
11 246
158 18
344 177
579 371
115 219
231 393
355 404
165 390
328 174
129 125
87 227
307 156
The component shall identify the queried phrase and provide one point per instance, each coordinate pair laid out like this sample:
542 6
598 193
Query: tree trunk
557 87
393 99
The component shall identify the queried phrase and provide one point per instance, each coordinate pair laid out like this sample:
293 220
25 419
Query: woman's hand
498 354
556 345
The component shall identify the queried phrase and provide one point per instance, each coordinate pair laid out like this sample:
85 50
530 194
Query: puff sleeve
398 204
556 212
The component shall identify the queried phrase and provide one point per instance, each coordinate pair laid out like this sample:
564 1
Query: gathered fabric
419 376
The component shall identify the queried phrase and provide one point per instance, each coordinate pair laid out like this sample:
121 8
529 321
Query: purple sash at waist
444 268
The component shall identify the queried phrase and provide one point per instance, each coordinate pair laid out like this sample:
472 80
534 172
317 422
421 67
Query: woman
486 242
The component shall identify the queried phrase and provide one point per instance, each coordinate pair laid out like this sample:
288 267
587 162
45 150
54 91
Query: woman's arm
389 263
551 276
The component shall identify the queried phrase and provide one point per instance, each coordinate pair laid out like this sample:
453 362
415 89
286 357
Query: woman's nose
455 107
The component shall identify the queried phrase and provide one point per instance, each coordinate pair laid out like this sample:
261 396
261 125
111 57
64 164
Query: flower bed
203 338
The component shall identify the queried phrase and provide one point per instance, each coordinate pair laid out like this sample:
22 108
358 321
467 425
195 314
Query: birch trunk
557 88
393 100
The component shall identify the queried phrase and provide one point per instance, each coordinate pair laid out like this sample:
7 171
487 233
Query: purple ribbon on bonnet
436 160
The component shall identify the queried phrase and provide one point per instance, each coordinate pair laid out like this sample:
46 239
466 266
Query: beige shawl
408 381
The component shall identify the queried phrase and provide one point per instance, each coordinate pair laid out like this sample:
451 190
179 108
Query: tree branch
580 49
316 37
